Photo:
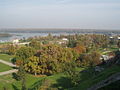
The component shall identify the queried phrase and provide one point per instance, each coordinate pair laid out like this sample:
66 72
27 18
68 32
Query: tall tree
23 54
35 44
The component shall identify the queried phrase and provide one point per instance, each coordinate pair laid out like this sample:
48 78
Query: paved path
7 63
8 72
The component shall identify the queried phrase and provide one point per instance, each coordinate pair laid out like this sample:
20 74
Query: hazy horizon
71 14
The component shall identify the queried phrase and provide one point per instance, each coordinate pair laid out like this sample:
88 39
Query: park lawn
4 67
58 80
6 57
89 79
12 84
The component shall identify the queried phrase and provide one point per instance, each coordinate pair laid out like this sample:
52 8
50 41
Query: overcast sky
84 14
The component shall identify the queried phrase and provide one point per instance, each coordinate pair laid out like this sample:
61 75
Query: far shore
5 35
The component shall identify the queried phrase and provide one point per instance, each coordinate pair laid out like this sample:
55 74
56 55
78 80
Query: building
15 41
65 39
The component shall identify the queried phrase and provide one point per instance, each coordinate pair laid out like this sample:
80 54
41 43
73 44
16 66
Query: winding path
9 64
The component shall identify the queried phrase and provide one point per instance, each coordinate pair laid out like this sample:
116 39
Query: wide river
25 35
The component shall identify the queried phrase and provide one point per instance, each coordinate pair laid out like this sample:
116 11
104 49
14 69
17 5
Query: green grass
5 43
4 67
60 80
9 82
89 78
112 86
6 57
109 49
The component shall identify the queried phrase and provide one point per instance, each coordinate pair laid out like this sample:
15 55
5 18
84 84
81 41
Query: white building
15 41
119 38
24 43
65 39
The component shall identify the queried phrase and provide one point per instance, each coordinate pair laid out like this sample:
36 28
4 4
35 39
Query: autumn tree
49 60
80 49
91 59
95 59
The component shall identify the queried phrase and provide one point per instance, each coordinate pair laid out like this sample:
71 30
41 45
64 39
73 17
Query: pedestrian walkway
8 72
7 63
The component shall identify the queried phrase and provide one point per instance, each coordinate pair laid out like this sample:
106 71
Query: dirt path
7 63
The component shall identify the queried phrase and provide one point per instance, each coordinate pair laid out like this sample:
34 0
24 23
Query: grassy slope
112 86
58 80
9 82
6 57
4 67
89 79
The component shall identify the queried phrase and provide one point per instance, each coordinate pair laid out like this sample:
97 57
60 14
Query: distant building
65 39
15 41
24 43
111 37
106 57
119 38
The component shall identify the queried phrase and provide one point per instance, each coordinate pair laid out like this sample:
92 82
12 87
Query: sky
83 14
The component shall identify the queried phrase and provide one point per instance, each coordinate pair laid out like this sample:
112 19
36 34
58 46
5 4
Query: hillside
103 80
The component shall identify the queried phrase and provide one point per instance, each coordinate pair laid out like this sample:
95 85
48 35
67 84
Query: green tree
35 44
22 76
12 49
118 44
72 41
24 53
